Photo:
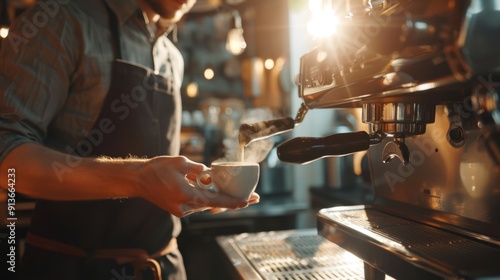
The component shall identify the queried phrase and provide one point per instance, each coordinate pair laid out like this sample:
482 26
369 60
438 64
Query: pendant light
4 20
235 43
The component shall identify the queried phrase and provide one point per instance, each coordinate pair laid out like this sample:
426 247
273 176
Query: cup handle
210 186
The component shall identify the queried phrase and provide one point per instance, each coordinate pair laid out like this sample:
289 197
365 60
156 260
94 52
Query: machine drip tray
406 249
289 255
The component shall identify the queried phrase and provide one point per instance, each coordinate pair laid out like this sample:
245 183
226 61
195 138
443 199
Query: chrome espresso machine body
427 77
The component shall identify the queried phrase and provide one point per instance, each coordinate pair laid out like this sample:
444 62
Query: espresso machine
426 75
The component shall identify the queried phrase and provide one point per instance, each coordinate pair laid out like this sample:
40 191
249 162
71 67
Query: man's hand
165 182
161 180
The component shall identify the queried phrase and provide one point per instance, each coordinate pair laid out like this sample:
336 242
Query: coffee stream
242 152
250 133
255 152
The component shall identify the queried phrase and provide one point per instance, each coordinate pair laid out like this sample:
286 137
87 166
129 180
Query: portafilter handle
303 150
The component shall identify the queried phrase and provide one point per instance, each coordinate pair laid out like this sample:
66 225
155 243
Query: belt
138 258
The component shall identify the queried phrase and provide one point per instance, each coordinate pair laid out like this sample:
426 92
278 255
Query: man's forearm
47 174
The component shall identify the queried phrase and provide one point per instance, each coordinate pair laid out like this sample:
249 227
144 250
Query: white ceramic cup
237 179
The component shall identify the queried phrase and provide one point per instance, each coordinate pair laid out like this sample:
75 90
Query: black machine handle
303 150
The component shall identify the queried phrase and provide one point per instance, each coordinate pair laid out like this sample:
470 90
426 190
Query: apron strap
115 32
138 258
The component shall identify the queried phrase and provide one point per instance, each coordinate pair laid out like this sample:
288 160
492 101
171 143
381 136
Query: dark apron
144 109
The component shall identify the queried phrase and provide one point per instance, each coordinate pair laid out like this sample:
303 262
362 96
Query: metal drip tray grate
292 255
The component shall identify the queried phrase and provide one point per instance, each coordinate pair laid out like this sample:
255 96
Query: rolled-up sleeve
36 64
8 141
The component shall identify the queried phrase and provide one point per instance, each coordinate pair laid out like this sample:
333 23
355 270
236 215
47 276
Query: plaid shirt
55 67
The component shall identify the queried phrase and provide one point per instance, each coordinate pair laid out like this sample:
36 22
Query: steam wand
256 131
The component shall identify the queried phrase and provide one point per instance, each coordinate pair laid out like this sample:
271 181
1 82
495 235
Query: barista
90 124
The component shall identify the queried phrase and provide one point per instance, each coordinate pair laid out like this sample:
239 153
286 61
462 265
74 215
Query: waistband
138 258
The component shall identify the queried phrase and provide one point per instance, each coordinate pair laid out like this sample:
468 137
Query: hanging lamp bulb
4 20
235 43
